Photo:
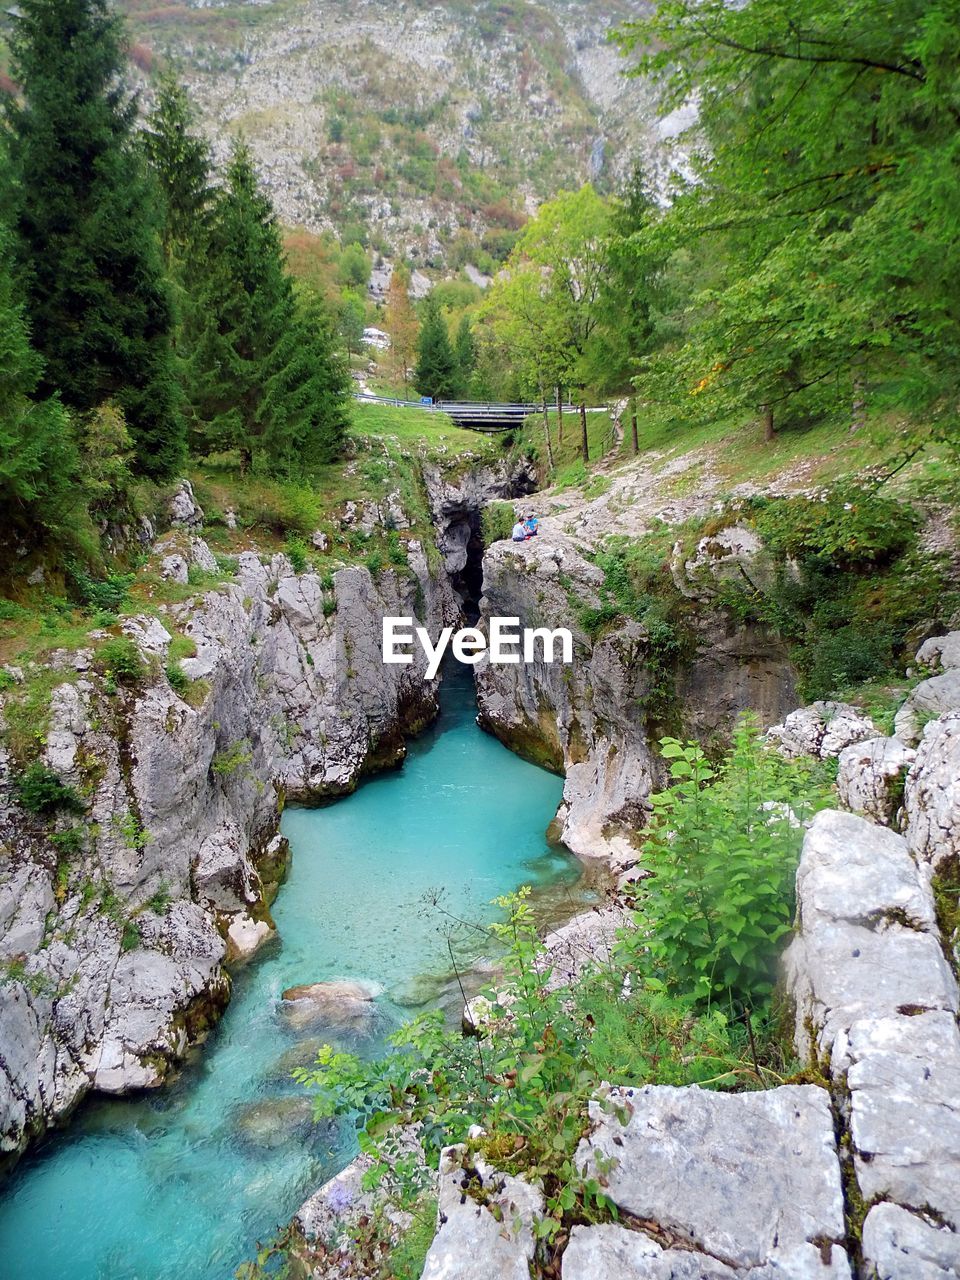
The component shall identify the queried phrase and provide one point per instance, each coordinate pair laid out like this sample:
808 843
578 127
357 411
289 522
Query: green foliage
178 679
497 521
297 554
262 378
722 848
120 658
237 755
41 791
828 134
848 526
130 936
38 455
131 831
97 303
159 901
436 372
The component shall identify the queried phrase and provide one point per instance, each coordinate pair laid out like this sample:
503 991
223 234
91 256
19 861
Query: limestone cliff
115 923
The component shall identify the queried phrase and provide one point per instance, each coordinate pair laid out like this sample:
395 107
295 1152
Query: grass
425 429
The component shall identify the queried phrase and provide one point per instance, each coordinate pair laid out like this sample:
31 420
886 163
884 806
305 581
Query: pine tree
465 355
436 371
180 160
85 225
262 377
38 459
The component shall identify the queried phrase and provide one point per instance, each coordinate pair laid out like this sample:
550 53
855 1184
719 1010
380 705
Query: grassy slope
386 444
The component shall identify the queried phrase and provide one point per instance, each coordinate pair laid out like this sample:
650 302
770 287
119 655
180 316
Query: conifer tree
262 376
85 225
465 355
38 460
180 160
436 371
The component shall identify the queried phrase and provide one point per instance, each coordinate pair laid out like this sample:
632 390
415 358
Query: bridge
471 414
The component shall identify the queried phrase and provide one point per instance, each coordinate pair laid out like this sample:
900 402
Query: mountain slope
423 129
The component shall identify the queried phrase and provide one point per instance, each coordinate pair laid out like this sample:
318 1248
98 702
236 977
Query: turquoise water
177 1185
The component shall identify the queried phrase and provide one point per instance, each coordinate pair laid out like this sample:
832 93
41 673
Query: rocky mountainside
428 129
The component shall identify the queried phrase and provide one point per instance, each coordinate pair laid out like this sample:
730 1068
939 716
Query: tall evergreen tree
436 371
465 354
85 225
263 378
180 160
38 460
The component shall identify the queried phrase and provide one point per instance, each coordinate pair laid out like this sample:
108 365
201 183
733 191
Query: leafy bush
297 554
723 849
236 756
120 658
374 562
850 525
130 936
178 679
497 522
396 549
106 595
41 791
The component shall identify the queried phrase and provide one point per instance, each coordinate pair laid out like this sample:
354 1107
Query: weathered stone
932 795
184 509
175 568
871 777
930 700
904 1084
471 1243
867 943
611 1252
340 1005
744 1178
942 653
822 730
900 1245
245 937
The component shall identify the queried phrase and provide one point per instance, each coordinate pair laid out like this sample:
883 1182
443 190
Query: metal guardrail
463 406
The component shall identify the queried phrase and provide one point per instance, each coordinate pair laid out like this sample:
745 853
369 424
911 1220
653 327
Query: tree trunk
546 429
584 438
858 410
559 414
769 432
634 438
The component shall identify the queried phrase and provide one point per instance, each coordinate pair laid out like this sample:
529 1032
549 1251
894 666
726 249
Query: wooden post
584 438
559 414
634 438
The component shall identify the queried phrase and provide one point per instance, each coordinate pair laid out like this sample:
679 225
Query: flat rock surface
473 1242
738 1176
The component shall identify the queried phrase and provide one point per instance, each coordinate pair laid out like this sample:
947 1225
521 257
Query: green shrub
68 842
497 522
396 549
120 658
236 756
297 554
374 562
723 847
106 595
850 525
130 936
41 791
178 679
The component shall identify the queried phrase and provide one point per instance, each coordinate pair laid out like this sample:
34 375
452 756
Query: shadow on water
181 1182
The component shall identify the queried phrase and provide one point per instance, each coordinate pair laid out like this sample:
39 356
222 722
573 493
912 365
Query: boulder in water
341 1004
274 1122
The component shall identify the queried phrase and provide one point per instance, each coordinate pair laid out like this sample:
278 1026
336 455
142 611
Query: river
178 1184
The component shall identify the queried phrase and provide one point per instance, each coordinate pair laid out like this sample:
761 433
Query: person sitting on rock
519 531
530 524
